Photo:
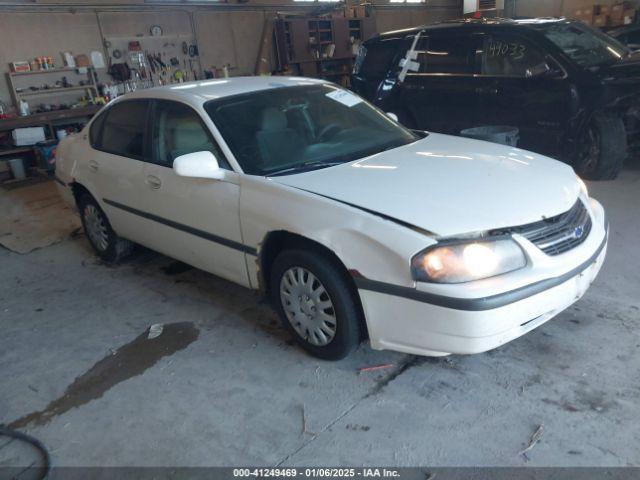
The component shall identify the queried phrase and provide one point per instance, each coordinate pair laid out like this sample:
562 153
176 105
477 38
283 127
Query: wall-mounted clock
156 30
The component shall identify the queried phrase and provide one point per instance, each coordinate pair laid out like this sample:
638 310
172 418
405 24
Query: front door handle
154 182
93 165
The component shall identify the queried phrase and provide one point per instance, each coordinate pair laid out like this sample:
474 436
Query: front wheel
109 246
603 148
316 303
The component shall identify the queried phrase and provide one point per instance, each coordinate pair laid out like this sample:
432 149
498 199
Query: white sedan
355 226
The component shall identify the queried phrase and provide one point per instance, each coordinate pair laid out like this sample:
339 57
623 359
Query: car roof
464 23
201 91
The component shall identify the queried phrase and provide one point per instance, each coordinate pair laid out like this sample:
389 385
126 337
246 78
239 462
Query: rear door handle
154 182
93 165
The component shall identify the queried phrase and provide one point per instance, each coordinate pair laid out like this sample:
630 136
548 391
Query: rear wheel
315 303
603 148
101 236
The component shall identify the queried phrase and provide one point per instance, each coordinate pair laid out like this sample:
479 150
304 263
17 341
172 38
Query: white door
197 220
115 169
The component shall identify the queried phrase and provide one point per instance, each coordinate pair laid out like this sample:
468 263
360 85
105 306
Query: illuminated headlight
464 262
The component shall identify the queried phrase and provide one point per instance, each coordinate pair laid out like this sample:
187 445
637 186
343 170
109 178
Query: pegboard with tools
154 60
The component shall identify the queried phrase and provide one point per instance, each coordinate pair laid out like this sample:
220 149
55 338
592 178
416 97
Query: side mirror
198 165
543 70
392 116
538 70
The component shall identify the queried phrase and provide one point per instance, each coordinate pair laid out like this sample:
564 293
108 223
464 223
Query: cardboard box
587 13
617 12
629 16
600 20
17 67
360 11
588 19
27 136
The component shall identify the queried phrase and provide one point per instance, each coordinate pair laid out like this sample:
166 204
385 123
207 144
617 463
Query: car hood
449 185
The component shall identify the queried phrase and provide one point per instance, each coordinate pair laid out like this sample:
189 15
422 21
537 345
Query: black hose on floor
44 452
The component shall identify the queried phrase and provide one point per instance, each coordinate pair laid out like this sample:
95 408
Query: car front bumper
422 322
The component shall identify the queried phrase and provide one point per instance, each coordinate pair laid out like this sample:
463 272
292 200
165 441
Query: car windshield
588 47
292 129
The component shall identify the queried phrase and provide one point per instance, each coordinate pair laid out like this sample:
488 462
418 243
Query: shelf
51 70
147 37
49 91
13 151
332 59
46 118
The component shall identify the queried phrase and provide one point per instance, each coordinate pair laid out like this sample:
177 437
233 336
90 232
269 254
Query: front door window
510 56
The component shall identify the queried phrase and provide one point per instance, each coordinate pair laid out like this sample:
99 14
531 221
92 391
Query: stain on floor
128 361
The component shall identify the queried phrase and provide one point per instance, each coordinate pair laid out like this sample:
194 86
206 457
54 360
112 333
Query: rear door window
379 57
124 129
447 54
95 130
505 55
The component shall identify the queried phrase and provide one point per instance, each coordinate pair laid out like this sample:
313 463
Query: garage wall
225 35
553 8
27 35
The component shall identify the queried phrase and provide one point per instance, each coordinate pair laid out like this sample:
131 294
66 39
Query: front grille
558 234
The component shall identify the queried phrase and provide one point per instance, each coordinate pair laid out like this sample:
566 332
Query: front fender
375 247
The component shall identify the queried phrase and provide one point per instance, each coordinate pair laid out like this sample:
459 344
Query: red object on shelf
478 14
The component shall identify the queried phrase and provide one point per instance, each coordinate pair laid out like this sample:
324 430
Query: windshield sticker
344 97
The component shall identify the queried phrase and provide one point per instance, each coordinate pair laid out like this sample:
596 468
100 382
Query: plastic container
17 168
501 134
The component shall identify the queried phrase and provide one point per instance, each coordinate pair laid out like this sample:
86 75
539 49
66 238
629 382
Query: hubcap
96 227
308 306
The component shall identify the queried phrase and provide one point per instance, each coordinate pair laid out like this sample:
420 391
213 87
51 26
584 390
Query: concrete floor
227 387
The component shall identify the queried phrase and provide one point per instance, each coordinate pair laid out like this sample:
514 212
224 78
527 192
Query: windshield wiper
304 167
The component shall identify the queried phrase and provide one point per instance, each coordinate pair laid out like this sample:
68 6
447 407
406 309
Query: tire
344 309
98 231
604 148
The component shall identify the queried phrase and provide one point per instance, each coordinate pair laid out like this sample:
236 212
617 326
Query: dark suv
572 91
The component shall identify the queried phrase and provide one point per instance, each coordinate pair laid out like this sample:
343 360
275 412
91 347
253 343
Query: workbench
48 120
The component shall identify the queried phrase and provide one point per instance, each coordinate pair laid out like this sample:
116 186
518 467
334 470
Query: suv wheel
603 148
101 236
315 303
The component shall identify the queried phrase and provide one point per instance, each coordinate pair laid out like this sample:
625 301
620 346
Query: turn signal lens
465 262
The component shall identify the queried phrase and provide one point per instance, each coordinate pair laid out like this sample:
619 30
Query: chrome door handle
93 165
154 182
